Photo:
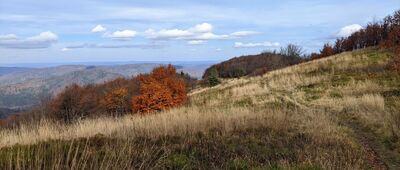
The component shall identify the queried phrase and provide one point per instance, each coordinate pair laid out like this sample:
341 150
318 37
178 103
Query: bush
213 78
159 90
117 101
394 64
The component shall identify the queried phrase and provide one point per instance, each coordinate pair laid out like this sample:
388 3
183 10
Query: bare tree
292 50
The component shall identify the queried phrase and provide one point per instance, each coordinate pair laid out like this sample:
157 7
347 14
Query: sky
67 31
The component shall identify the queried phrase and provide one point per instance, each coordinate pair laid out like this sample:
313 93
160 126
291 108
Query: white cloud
43 40
65 49
256 45
202 28
167 34
218 49
348 30
244 33
196 42
99 28
210 36
198 33
8 37
92 45
44 37
121 35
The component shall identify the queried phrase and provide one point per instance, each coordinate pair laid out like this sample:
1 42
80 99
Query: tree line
385 33
158 90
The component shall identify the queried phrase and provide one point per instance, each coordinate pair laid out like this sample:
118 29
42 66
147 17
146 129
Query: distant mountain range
23 87
5 112
9 70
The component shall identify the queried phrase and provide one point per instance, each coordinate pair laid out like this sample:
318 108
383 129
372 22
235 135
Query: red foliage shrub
161 89
327 50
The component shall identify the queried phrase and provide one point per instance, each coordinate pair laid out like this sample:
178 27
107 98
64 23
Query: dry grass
305 99
181 122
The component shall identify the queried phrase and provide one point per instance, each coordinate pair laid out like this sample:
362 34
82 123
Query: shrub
327 50
213 78
159 90
394 64
259 72
117 101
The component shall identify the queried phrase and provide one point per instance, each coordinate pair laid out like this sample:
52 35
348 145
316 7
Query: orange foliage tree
116 101
159 90
327 50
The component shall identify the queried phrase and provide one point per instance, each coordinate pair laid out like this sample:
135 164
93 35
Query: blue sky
64 31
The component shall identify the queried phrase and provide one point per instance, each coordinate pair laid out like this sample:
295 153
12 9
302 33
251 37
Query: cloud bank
121 35
93 45
256 45
43 40
196 42
196 35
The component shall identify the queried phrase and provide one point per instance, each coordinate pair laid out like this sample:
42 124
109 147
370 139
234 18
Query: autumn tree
327 50
66 105
116 101
314 56
159 90
339 45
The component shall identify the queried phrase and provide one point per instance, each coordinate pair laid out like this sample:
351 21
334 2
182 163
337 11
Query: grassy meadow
340 112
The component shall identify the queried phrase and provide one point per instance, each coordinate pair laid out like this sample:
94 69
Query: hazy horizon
104 63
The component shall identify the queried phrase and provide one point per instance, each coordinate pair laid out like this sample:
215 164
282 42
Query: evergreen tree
213 78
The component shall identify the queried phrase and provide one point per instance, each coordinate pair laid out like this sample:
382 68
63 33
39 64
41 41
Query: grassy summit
339 112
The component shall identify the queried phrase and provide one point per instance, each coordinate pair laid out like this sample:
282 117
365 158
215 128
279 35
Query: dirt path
379 156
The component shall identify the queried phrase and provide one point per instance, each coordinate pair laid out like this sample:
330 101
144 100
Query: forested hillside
252 65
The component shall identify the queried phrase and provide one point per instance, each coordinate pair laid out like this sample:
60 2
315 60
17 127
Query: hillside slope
339 112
